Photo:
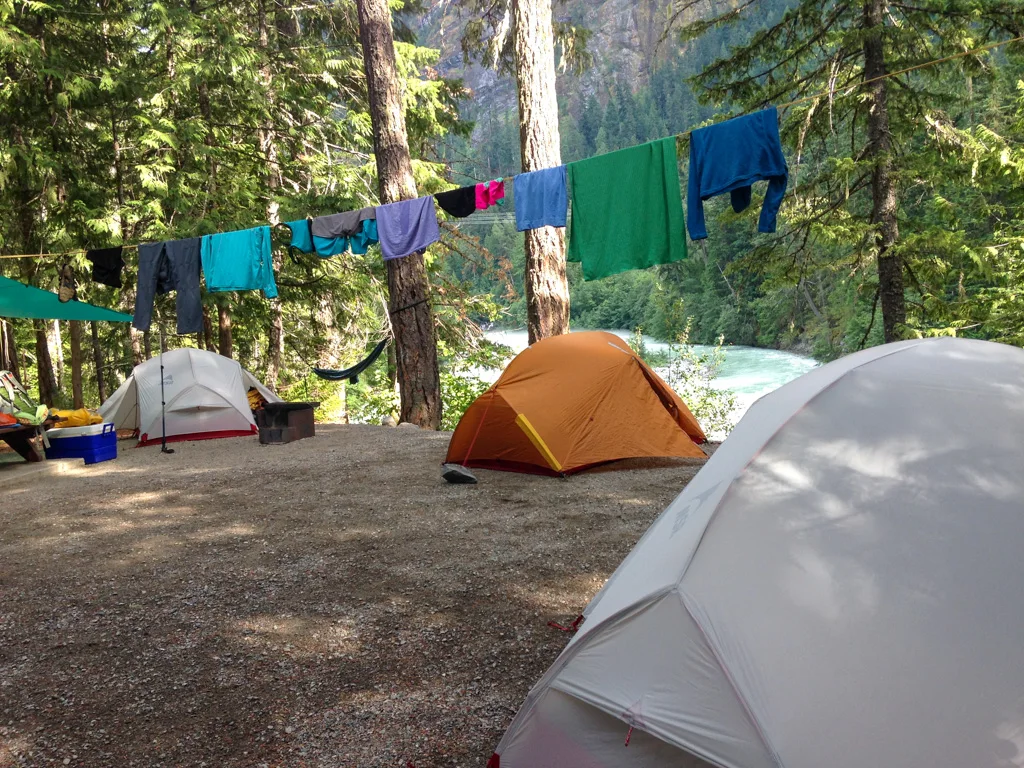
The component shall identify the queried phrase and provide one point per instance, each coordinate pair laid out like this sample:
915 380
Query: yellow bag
82 417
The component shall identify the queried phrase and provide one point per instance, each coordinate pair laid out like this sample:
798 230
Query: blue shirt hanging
729 157
541 198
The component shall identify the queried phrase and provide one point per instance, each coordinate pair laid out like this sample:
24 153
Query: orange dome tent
570 402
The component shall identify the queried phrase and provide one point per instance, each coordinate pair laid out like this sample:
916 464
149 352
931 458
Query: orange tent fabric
569 402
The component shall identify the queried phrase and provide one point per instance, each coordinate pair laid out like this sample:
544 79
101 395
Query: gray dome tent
841 585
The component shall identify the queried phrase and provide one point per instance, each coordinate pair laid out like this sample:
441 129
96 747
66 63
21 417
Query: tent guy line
845 92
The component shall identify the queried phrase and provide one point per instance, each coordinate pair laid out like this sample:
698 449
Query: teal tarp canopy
20 300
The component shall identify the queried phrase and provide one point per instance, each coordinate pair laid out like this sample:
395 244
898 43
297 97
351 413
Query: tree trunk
224 341
8 350
75 330
56 342
206 337
883 185
276 342
147 344
269 146
97 358
392 367
44 366
412 317
135 344
547 290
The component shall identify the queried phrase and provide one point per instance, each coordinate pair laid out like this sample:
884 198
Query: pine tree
518 37
848 170
408 290
590 123
154 122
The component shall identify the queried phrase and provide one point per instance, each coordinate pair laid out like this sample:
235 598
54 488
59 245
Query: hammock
352 374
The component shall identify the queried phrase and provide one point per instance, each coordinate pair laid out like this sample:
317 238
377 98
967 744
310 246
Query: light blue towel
239 261
541 199
407 227
731 156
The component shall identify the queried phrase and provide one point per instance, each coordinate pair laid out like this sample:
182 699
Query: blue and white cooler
95 443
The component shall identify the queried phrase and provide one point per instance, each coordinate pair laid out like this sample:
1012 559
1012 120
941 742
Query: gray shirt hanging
342 224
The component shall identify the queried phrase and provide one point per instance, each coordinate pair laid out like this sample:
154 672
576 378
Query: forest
132 124
958 135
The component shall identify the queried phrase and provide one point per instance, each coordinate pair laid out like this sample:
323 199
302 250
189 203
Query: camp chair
14 400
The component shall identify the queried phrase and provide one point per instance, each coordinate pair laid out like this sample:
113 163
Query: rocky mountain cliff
627 41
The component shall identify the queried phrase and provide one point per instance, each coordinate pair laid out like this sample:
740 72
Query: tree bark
268 144
44 365
206 337
547 289
883 185
9 356
225 345
97 358
56 342
135 345
412 317
75 331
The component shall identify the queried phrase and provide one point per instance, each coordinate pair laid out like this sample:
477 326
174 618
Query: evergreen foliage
136 123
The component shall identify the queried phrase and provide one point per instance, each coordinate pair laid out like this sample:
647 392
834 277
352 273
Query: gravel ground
331 602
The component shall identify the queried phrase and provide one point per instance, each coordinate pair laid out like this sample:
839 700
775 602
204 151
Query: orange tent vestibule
570 402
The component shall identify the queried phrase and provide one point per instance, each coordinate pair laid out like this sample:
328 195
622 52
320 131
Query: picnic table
19 439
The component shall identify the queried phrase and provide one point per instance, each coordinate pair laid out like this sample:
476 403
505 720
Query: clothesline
794 102
54 255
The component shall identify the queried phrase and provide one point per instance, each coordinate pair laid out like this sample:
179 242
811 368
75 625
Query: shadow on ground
328 602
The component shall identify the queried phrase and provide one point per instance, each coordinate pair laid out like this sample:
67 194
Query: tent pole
163 405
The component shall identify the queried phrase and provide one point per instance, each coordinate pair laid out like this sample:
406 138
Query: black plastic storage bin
285 422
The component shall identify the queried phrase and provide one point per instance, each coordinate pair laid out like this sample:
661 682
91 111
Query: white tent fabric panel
122 408
564 732
862 581
250 381
670 684
849 568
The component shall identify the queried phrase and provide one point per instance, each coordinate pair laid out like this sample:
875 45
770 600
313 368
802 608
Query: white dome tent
205 395
841 585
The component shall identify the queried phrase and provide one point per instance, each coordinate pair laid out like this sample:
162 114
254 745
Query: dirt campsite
329 602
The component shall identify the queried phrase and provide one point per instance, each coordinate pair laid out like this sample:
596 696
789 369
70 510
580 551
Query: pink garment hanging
489 194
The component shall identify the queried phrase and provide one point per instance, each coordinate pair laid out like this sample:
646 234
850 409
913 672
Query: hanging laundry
407 227
170 266
302 235
359 243
627 210
337 233
541 198
341 224
239 261
457 202
365 237
107 264
729 157
491 193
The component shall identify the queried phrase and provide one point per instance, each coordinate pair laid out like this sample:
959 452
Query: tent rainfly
20 300
571 402
205 395
840 585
